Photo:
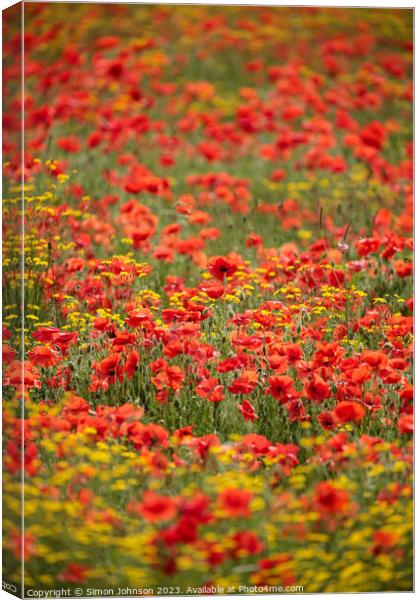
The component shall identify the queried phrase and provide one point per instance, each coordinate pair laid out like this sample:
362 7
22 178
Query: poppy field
214 393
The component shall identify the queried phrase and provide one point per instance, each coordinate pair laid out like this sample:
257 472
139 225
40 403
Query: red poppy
375 359
137 317
317 389
349 411
43 356
374 135
109 367
13 376
155 508
327 419
69 144
258 444
384 542
8 354
123 339
45 334
210 389
403 268
230 364
246 543
330 499
235 502
253 240
17 542
74 573
245 383
406 424
281 387
247 410
171 377
367 246
131 363
220 267
75 404
213 289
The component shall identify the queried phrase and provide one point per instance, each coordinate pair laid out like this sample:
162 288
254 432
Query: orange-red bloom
329 499
220 267
155 507
235 502
349 411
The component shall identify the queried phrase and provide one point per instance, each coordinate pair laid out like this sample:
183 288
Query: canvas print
207 300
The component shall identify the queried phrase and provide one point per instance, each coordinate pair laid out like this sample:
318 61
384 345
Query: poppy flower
403 268
171 377
13 376
102 324
246 543
220 267
317 389
232 363
374 134
367 246
247 410
258 444
384 542
131 363
235 502
213 290
75 404
375 359
281 387
348 411
109 367
155 508
43 356
44 334
69 144
327 419
74 573
277 565
8 354
360 374
210 389
63 339
244 384
278 175
253 240
18 542
293 352
139 316
145 436
123 339
329 499
406 424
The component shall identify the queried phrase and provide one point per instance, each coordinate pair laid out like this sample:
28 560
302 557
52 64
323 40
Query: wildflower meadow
213 289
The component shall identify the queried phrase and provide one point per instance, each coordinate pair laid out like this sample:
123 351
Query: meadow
216 388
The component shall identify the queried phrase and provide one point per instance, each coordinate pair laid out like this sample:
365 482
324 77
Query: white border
320 3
